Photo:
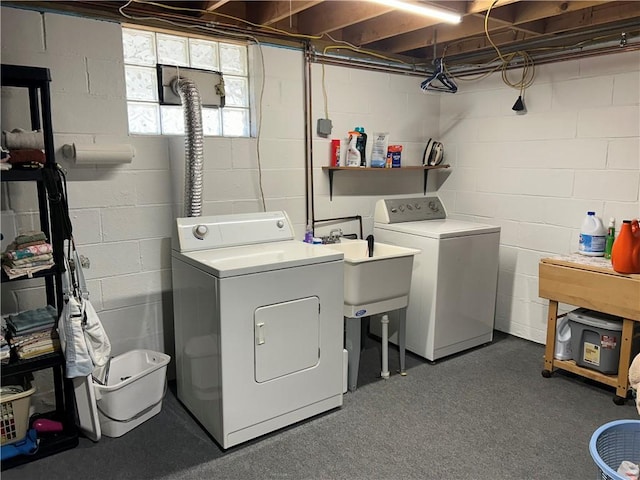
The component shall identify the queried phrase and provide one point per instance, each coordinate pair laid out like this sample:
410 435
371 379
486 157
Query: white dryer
258 324
454 280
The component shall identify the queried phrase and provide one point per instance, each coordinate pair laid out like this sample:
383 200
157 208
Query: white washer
454 280
258 324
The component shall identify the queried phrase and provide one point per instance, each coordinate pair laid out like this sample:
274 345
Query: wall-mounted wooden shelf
425 169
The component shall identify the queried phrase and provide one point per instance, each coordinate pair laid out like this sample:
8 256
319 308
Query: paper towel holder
96 154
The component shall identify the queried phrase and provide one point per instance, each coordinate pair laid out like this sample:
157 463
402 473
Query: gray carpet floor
485 414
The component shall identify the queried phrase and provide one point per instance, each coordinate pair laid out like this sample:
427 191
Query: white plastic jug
563 340
593 236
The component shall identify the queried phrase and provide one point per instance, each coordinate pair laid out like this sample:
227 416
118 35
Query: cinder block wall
536 175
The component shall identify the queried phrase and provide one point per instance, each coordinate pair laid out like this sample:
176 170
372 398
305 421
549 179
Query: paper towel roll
92 154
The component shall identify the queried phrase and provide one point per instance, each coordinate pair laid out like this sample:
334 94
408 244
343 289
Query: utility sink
385 275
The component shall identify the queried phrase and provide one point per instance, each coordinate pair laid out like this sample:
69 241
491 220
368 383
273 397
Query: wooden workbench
590 282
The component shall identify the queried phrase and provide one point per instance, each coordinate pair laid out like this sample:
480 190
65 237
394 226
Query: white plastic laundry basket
134 390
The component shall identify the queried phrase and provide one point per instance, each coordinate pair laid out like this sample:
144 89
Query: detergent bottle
592 236
352 157
361 145
625 254
611 236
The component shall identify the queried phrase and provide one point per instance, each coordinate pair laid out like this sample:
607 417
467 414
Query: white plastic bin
134 391
563 340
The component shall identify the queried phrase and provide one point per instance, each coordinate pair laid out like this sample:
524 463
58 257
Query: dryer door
287 338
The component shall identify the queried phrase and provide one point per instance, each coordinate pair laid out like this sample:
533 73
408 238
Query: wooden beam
598 15
470 26
268 13
334 15
211 6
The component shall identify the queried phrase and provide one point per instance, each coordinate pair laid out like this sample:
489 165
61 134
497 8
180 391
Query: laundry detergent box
394 156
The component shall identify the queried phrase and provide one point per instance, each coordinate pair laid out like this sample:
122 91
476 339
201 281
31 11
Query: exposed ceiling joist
512 24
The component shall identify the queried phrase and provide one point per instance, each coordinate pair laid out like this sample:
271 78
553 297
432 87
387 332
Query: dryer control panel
396 210
204 233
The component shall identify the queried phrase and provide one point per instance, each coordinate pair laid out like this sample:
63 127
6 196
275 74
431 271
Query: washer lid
444 228
244 260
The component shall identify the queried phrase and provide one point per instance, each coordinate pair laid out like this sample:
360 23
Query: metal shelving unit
37 81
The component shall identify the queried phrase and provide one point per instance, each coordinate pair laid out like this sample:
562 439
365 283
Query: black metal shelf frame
37 81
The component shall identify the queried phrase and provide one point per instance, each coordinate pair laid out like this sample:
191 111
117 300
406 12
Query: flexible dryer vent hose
193 144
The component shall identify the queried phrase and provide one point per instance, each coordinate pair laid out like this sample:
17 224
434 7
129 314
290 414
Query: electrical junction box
210 85
324 127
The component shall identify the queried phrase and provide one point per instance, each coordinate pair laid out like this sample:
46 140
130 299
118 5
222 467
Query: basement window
143 49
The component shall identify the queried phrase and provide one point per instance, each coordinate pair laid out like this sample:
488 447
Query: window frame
238 109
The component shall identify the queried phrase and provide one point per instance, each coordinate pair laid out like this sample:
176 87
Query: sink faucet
334 235
370 245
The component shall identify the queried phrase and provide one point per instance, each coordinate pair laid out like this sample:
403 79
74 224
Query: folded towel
30 261
27 155
19 138
29 251
25 271
30 236
32 318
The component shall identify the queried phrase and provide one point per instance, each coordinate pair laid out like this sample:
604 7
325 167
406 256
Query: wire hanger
439 81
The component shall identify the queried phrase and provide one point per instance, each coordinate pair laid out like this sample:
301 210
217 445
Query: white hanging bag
84 341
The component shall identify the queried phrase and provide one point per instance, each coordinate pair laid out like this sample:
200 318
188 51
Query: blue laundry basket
613 443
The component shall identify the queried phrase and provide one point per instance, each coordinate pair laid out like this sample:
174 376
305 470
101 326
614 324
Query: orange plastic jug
625 254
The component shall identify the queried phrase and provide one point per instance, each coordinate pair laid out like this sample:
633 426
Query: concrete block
243 154
610 185
22 32
526 127
83 37
86 225
230 185
112 259
152 152
153 187
136 289
624 154
287 183
614 122
138 222
582 93
73 113
87 191
155 254
626 88
277 153
106 78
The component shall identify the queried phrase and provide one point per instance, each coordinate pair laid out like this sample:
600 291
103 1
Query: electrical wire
528 67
